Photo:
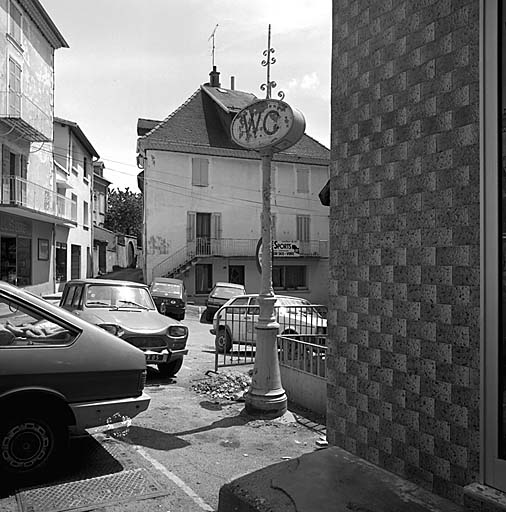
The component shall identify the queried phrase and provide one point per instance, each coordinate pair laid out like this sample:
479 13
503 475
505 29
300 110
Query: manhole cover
91 493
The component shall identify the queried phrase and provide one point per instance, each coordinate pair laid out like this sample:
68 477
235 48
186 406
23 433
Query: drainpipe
53 243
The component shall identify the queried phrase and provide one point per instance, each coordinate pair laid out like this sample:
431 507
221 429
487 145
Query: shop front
15 250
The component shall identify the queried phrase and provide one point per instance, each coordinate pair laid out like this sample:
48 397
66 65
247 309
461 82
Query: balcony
35 199
180 260
25 117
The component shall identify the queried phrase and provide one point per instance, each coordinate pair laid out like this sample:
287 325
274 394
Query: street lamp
267 126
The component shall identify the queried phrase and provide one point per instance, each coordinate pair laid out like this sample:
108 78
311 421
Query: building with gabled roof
203 200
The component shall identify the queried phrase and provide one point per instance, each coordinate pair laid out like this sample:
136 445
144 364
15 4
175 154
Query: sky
129 60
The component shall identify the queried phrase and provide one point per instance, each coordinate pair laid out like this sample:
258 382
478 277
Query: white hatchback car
235 321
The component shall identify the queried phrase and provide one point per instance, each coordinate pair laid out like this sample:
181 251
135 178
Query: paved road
189 443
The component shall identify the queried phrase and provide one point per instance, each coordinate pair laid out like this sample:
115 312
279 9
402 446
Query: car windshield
226 292
166 288
106 296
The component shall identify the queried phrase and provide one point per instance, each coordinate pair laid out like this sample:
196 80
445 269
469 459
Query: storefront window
289 277
16 260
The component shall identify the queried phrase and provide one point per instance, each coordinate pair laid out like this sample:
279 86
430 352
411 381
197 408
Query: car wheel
209 315
223 342
181 316
170 369
31 444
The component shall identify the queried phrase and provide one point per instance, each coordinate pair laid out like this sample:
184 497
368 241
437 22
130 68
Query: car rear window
225 292
21 325
167 288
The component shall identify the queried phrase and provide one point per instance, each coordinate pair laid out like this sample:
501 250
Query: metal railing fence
235 332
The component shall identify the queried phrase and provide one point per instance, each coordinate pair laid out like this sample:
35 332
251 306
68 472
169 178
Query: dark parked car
169 296
220 294
127 310
58 373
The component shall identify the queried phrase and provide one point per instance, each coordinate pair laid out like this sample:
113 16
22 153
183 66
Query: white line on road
188 490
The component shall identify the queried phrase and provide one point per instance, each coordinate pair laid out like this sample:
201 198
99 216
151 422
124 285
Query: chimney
214 78
232 83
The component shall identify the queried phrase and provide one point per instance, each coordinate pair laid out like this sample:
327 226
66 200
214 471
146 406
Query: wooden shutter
303 228
216 225
6 180
204 172
190 226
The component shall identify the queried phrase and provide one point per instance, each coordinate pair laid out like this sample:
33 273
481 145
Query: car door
235 318
251 319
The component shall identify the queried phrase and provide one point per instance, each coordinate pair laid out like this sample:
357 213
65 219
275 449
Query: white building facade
203 202
29 208
73 168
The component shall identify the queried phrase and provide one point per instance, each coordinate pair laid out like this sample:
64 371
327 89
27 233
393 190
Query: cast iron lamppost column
266 394
267 126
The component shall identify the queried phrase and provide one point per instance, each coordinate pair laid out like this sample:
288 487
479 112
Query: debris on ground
225 385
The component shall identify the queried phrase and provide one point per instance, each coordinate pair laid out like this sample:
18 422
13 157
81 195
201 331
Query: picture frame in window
43 249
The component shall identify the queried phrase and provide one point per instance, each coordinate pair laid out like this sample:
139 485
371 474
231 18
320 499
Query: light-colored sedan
235 321
126 309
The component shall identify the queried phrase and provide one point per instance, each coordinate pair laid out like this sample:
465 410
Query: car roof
248 295
229 285
166 280
110 282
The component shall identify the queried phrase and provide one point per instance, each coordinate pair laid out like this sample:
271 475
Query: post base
265 405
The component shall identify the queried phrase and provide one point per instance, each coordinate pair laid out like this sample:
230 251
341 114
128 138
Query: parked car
58 373
169 296
127 310
220 294
235 321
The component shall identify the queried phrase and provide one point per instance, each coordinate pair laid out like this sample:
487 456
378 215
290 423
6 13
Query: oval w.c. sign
268 124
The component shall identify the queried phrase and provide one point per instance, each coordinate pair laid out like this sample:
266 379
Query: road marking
171 476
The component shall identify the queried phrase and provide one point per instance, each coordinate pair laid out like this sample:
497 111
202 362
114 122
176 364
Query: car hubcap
26 445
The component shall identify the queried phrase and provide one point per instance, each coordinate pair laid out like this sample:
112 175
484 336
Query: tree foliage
124 213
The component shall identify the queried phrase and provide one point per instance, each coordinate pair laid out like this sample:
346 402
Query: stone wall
403 387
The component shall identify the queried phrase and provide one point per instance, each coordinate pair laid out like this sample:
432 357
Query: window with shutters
15 22
200 172
14 88
303 228
303 180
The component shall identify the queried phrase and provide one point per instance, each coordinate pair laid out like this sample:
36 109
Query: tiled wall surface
405 259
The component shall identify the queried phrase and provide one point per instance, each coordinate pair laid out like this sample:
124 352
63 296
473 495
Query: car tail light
142 380
177 331
163 308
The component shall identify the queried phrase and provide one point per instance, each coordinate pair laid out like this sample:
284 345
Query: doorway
236 274
203 234
75 261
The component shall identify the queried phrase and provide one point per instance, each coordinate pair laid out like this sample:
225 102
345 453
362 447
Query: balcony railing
17 191
230 247
27 118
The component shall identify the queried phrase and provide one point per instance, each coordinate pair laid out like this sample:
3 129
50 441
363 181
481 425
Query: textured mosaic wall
405 341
